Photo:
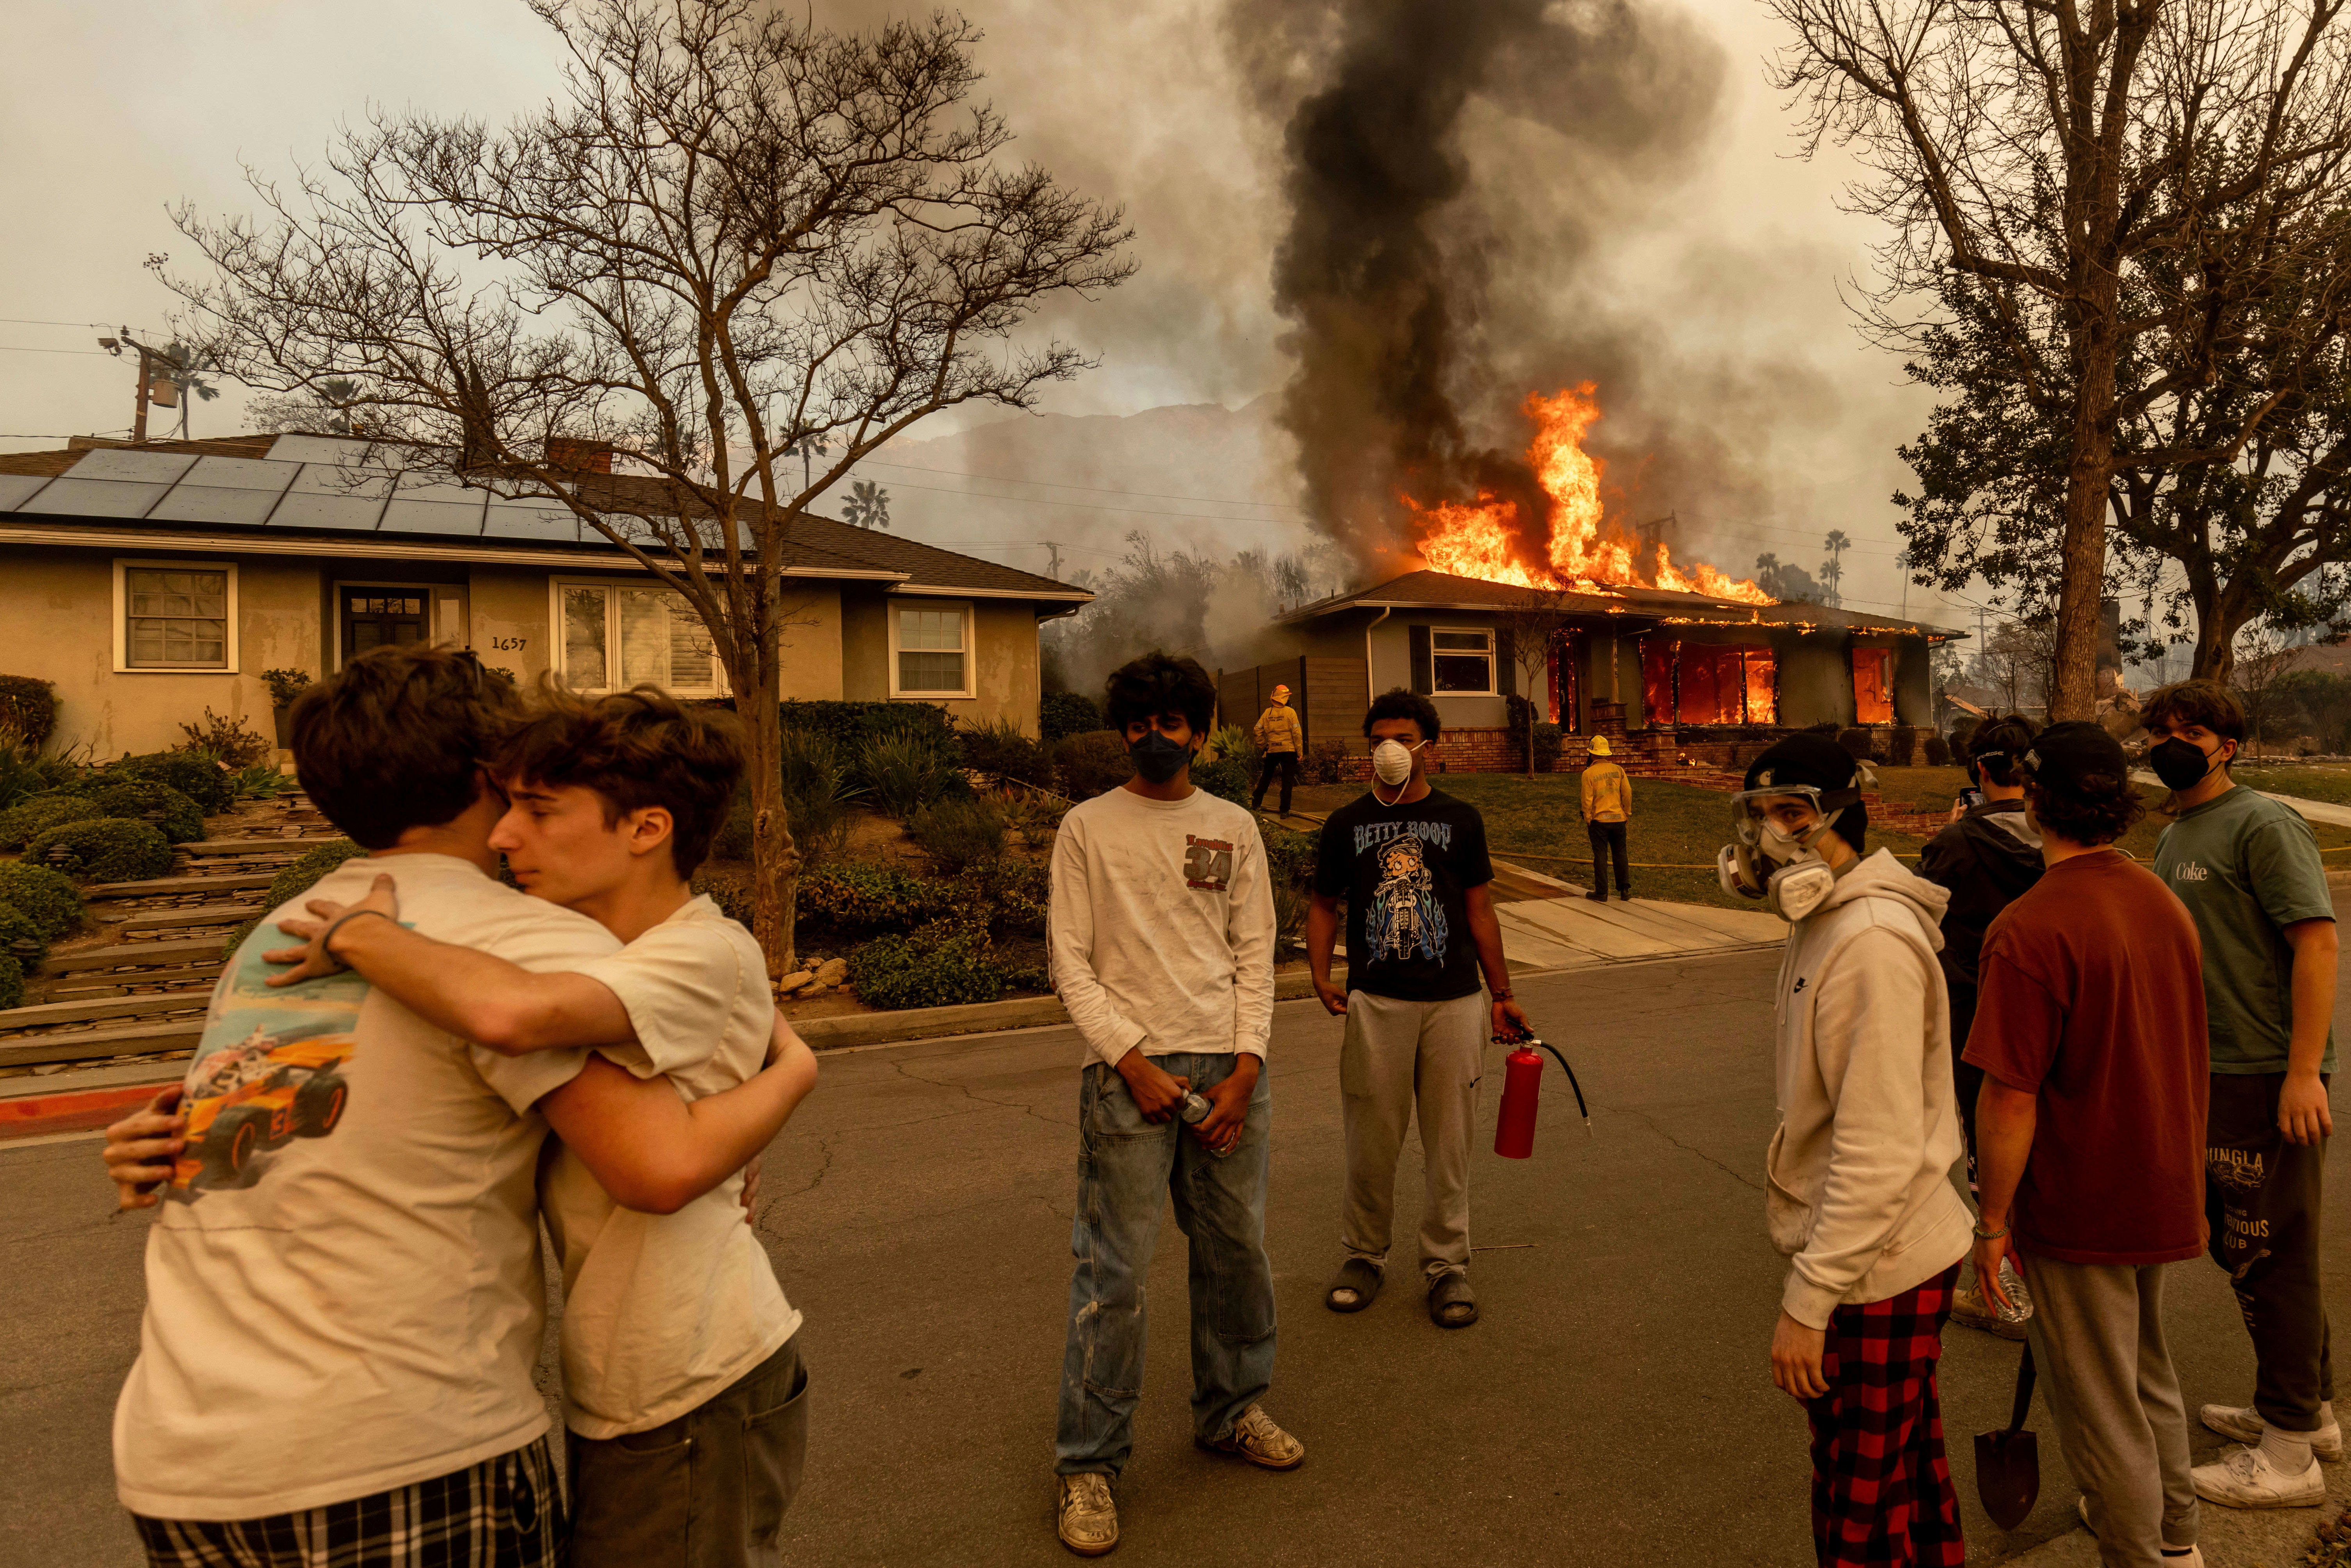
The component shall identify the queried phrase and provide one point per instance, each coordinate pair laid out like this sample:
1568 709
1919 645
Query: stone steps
289 844
169 887
127 955
188 916
95 1044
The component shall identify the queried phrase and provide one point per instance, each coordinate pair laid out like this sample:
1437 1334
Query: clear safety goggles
1749 810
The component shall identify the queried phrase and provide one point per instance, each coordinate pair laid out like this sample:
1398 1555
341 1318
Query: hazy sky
1732 274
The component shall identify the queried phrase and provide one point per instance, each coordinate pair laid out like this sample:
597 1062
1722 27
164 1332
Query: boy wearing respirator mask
1859 1198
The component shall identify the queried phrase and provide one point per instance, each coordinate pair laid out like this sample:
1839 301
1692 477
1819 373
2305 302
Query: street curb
33 1115
977 1018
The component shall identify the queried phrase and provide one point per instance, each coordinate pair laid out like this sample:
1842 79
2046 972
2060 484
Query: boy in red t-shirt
2090 1138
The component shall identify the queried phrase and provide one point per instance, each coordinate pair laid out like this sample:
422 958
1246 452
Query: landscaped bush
1290 855
957 831
858 895
1089 763
1962 728
175 815
902 773
1938 751
1063 714
231 741
103 849
29 708
20 935
11 982
27 820
297 880
893 972
732 894
849 725
285 686
1325 762
1547 737
1228 777
1002 748
48 898
817 795
198 775
1035 817
1857 744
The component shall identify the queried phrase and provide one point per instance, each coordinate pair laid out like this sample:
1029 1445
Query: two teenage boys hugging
342 1324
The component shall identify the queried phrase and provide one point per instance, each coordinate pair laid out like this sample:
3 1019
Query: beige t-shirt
662 1312
344 1292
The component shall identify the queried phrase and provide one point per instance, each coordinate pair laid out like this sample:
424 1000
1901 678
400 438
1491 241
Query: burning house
1530 591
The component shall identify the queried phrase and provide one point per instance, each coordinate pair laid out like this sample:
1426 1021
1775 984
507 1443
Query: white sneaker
1086 1518
2246 1479
2244 1423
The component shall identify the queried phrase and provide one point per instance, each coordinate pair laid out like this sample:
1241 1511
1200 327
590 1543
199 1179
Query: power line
20 348
1097 489
36 321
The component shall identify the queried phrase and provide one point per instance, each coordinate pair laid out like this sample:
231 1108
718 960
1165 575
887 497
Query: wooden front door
380 617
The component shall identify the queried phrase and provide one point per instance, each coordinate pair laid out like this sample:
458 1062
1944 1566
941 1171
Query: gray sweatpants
2098 1341
1397 1055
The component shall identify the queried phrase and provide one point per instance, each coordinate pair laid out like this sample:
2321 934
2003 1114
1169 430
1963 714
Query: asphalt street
1614 1408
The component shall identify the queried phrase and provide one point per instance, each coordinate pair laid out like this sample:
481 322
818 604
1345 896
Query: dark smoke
1413 186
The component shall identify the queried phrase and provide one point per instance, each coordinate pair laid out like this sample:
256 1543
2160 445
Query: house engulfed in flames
1686 664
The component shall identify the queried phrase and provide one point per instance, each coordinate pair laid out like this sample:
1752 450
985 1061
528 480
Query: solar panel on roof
423 505
216 504
335 449
17 487
77 497
242 473
144 467
325 496
532 521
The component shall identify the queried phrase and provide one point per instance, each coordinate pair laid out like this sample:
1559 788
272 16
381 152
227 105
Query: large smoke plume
1451 170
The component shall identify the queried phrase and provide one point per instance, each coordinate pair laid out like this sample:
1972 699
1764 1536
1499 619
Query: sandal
1450 1304
1357 1284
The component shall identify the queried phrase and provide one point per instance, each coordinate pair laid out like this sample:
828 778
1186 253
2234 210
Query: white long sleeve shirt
1161 930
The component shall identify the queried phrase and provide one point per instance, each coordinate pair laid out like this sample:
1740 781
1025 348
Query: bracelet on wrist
327 942
1983 1234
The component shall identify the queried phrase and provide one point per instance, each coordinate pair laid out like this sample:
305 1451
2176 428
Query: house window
615 637
175 615
1873 685
931 656
1461 664
377 616
1708 683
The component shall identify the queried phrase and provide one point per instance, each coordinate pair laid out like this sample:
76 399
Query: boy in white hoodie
1859 1193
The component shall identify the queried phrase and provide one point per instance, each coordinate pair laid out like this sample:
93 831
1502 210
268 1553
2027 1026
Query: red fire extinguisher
1514 1133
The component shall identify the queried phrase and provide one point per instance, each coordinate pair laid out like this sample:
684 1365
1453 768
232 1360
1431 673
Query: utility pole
1902 565
1054 570
147 358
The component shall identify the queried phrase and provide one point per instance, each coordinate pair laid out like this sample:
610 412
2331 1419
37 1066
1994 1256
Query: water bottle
1195 1112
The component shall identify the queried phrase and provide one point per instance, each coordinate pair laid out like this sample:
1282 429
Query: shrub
1063 714
1228 777
1035 817
1290 855
1325 762
1901 745
859 896
902 773
285 686
175 815
20 769
1000 748
1548 737
1938 751
731 893
228 741
297 880
11 982
102 849
1289 908
959 832
849 725
45 897
893 972
1857 744
260 782
20 935
1089 763
1231 740
1962 728
29 708
198 775
815 796
26 819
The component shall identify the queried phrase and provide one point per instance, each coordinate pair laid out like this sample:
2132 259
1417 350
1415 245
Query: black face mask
1158 759
2181 764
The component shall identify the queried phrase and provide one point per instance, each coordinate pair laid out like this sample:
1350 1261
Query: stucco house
151 582
1677 672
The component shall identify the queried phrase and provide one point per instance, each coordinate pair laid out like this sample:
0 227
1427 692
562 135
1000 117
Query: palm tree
1833 569
188 369
868 505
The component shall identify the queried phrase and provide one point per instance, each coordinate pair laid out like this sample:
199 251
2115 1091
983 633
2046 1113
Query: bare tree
1528 622
2263 654
2150 177
733 237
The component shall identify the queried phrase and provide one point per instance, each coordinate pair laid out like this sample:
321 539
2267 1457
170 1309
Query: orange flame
1482 539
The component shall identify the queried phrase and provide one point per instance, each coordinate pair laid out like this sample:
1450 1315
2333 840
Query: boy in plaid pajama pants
1859 1195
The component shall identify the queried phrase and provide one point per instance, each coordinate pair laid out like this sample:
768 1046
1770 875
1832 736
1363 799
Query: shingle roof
1441 590
323 486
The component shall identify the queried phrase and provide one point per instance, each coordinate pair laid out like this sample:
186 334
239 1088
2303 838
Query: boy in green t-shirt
2247 867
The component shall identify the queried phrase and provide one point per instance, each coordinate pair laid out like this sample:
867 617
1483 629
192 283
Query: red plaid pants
1881 1486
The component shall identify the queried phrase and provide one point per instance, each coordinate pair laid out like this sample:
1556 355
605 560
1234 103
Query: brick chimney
572 455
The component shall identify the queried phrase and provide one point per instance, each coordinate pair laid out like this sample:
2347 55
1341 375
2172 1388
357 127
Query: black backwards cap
1816 761
2080 759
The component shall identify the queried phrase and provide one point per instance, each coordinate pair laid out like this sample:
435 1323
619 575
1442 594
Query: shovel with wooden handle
2008 1463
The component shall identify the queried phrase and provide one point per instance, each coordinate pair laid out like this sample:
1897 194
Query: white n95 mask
1391 762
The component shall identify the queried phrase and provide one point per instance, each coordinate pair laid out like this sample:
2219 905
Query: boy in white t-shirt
344 1294
677 1338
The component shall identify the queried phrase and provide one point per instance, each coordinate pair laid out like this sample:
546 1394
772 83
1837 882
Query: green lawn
2310 781
1677 828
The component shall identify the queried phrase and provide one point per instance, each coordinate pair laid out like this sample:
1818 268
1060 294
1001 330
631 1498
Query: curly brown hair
635 748
2078 785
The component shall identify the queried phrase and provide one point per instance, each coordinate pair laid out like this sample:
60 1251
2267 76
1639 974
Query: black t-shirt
1404 871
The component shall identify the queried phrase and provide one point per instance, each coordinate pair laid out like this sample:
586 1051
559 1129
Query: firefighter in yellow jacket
1607 812
1278 738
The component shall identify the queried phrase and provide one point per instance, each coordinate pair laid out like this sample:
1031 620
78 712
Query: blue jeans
1126 1167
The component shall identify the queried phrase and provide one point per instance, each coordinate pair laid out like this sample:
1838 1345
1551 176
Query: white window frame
1492 654
558 644
433 631
123 665
962 607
